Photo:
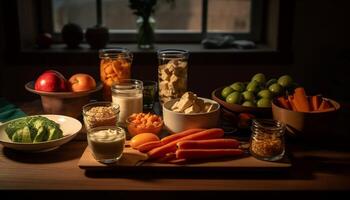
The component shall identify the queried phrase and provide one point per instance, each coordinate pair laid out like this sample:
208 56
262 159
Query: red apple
51 81
82 82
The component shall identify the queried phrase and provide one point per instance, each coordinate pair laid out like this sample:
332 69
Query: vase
145 35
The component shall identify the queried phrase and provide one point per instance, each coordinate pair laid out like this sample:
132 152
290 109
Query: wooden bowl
63 103
236 108
307 125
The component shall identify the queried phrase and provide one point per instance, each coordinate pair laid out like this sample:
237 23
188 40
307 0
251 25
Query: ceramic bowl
309 125
236 108
63 103
177 122
69 126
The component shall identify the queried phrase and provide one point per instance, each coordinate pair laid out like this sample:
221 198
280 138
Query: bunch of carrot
300 102
191 144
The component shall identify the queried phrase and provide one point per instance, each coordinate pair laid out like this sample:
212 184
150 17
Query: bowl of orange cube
308 117
144 123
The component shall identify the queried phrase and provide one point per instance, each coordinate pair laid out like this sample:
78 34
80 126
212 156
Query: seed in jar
267 147
101 116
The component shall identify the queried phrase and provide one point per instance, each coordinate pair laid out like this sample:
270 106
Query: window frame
45 23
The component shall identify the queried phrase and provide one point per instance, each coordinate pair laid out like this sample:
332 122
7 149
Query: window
176 20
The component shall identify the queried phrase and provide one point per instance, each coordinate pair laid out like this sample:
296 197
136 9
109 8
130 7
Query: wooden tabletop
313 170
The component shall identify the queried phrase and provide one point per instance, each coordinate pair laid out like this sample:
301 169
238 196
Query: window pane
229 16
182 15
117 15
82 12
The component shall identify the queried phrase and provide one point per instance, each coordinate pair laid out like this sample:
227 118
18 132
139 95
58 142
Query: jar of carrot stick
115 66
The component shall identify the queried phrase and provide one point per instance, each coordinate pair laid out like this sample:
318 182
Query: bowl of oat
102 113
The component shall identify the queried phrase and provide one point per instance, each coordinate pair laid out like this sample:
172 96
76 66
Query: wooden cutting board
133 159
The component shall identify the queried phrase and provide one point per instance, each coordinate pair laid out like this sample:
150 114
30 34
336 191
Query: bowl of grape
254 96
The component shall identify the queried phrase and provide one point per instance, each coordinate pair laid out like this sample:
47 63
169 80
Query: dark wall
321 46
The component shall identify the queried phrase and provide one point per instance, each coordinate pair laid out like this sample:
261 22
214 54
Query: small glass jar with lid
172 73
267 140
115 66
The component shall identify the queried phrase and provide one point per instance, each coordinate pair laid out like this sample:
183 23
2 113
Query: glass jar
267 140
128 94
172 74
101 113
115 66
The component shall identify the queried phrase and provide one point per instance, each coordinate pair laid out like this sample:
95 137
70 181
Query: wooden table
314 171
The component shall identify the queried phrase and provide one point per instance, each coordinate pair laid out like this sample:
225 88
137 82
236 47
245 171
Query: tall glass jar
115 66
267 140
172 73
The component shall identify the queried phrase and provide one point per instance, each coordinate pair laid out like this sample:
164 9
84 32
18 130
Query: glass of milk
106 143
128 95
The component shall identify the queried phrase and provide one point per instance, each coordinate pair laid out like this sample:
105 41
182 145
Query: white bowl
69 126
177 122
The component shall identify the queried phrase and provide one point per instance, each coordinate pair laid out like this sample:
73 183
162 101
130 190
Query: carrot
300 100
171 147
208 144
284 102
146 147
177 136
315 102
325 104
191 154
291 102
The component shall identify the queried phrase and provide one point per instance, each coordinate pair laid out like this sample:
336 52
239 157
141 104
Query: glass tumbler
172 73
115 65
267 139
149 94
106 143
101 113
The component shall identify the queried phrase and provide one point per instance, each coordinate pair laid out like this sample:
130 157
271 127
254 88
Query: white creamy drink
129 96
107 144
128 105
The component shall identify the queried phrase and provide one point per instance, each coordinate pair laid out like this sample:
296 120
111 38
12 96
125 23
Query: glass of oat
99 114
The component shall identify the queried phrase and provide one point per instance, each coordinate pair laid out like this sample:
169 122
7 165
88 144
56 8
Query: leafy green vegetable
33 130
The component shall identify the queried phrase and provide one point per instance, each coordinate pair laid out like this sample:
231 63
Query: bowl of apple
62 96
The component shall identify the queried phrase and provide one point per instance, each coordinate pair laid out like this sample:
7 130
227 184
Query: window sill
59 54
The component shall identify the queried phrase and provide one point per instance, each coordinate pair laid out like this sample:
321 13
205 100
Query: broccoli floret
14 126
33 129
41 135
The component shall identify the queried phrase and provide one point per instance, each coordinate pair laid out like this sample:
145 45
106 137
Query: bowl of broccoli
39 132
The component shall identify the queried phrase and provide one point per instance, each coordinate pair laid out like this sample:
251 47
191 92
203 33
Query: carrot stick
291 102
191 154
146 147
177 136
208 144
315 102
325 104
171 147
300 100
284 102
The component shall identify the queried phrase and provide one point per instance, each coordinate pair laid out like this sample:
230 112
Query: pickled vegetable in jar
115 66
172 74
